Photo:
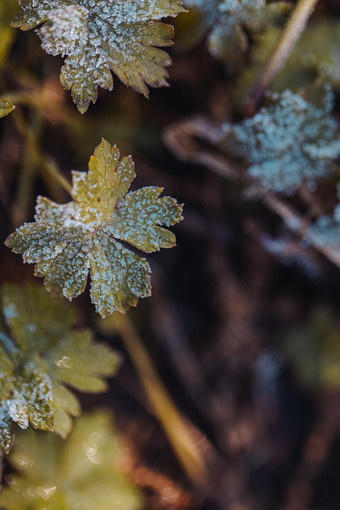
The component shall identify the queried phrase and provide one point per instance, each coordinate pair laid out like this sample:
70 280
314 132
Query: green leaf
5 107
82 472
68 240
103 36
40 356
230 22
292 140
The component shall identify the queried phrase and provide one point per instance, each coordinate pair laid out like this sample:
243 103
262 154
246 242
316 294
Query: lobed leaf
40 357
100 36
293 140
67 241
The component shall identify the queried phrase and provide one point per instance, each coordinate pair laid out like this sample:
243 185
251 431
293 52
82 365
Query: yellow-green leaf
5 107
82 472
40 357
67 241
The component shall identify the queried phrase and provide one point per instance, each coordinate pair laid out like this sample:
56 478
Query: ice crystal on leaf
5 107
68 240
229 21
292 140
100 36
40 355
83 472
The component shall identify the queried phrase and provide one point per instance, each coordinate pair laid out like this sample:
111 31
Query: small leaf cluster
93 239
41 358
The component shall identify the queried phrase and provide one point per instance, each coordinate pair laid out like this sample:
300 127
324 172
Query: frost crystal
68 240
229 21
33 382
67 28
291 141
100 36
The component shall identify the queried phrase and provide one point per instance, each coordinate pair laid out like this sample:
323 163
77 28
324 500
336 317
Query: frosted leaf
68 240
40 357
228 23
83 472
30 399
65 30
290 141
26 399
138 218
6 430
5 107
100 36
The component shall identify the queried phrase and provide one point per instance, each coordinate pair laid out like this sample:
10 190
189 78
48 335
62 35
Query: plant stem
48 167
27 171
178 431
54 172
289 38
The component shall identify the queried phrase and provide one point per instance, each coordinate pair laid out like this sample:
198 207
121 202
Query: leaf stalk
177 430
291 34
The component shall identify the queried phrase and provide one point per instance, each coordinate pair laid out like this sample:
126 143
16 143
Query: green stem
178 431
289 38
47 166
54 172
27 170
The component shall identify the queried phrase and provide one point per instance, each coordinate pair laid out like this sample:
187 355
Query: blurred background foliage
84 472
240 339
